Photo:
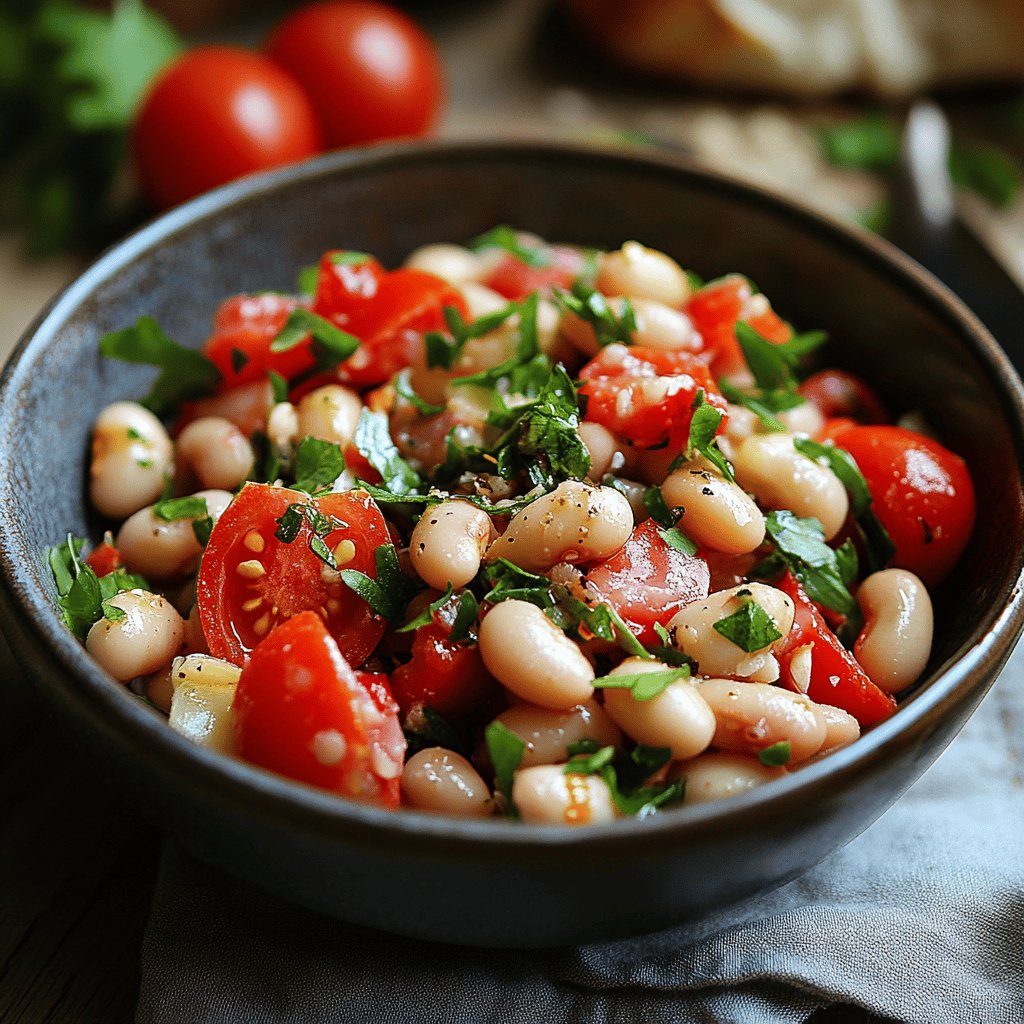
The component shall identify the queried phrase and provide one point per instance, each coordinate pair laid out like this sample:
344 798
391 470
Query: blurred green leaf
985 169
868 143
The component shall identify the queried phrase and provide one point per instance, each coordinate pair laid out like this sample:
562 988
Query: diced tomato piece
832 429
104 559
836 678
448 677
647 581
360 465
716 309
515 279
246 406
838 393
301 711
243 328
647 395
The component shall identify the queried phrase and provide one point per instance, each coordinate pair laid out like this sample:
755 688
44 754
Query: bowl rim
128 721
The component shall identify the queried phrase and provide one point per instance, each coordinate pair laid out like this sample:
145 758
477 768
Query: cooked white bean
163 550
246 406
604 448
216 451
329 413
805 419
678 718
781 477
283 427
719 514
202 713
692 630
131 457
455 263
448 543
841 728
894 645
444 782
481 300
146 639
526 652
576 523
547 734
719 774
739 426
547 795
752 716
643 273
633 491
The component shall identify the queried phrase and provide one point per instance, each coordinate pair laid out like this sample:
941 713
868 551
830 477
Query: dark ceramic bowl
495 882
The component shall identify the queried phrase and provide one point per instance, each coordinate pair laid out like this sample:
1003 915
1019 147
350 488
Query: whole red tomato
216 114
370 72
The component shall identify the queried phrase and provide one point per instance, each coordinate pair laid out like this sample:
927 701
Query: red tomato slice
647 581
104 559
515 279
647 395
301 711
715 310
922 493
243 328
448 677
249 581
389 312
840 394
836 678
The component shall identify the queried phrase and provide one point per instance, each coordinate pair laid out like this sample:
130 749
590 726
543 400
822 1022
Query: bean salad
517 528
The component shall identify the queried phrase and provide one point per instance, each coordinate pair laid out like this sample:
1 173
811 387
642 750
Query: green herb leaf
112 613
776 755
426 617
184 373
593 308
433 731
202 529
584 746
239 360
306 280
404 389
505 237
317 464
278 387
654 502
644 800
373 439
643 686
506 751
768 363
350 258
869 143
465 617
675 538
333 344
590 764
703 430
987 170
750 627
389 594
173 509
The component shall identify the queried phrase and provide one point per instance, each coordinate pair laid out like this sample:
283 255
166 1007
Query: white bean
246 406
805 419
719 774
131 457
202 713
526 652
575 522
216 451
633 491
481 300
164 549
678 718
146 639
444 782
781 477
283 427
604 448
719 514
455 263
896 640
547 734
545 794
660 326
448 543
329 413
841 728
639 272
692 630
753 716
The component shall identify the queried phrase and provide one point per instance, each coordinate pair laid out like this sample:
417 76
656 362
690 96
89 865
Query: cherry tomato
715 310
447 677
389 312
370 72
922 494
249 580
835 676
646 395
104 559
243 328
215 114
515 279
838 393
647 581
301 711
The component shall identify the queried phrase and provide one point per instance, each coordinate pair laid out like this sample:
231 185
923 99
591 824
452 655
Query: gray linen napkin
919 920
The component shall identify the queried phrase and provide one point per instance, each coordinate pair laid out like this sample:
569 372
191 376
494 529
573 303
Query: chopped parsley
278 387
373 439
465 617
750 627
317 464
403 388
507 238
593 308
331 345
506 751
657 508
590 762
776 755
388 594
701 441
426 617
184 372
172 509
289 526
675 538
643 686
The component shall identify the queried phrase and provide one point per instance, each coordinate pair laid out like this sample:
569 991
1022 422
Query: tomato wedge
104 559
515 279
647 581
301 711
835 676
249 581
645 394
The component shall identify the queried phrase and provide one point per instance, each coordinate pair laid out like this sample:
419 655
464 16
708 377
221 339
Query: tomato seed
251 569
